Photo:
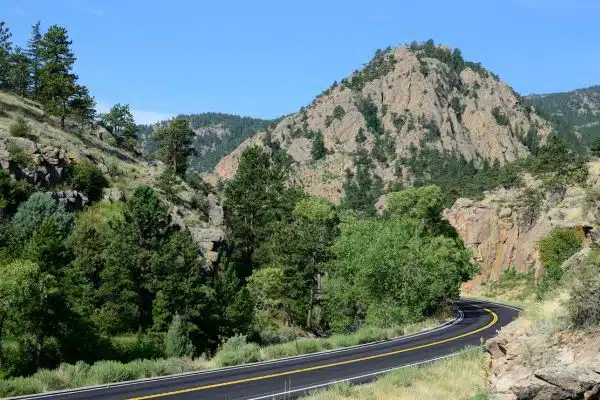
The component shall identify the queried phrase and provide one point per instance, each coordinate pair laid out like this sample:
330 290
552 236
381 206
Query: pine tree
18 76
35 58
318 147
58 85
177 341
175 145
5 51
83 106
119 121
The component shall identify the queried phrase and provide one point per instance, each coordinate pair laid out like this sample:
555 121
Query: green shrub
318 147
108 371
89 179
368 109
12 194
432 131
529 204
74 375
20 128
131 347
18 155
196 182
20 387
33 212
339 112
50 379
297 347
177 341
509 280
500 117
555 249
271 337
199 202
584 300
236 351
169 184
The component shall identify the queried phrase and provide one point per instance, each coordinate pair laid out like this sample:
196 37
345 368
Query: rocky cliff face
405 97
540 356
500 236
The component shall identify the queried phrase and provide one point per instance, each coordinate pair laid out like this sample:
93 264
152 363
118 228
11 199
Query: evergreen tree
318 147
256 198
5 51
119 121
34 46
18 76
83 106
58 85
299 249
175 145
177 341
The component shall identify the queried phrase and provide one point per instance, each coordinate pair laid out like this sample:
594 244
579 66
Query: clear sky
265 58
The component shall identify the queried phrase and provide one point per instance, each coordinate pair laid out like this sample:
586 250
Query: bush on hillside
584 298
500 117
555 249
33 212
12 194
318 147
89 179
236 350
18 155
20 128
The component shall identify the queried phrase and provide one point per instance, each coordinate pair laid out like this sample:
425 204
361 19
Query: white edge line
64 392
385 371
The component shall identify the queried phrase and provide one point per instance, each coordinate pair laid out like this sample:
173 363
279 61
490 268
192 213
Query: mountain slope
405 99
579 108
217 135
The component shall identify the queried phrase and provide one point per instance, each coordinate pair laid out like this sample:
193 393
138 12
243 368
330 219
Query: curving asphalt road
292 377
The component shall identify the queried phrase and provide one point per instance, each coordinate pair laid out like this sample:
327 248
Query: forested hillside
579 110
216 135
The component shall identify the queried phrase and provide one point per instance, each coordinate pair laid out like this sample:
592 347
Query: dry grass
460 377
45 130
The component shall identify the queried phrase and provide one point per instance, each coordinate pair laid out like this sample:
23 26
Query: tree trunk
310 308
62 122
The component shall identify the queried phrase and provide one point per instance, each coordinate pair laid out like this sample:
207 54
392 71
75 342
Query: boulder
505 213
112 194
215 211
496 347
570 380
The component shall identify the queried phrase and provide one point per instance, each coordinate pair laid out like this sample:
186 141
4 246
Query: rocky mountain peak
408 97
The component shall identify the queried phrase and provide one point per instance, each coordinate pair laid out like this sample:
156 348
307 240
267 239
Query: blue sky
267 58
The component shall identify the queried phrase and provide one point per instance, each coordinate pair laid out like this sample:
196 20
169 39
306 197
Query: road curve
295 376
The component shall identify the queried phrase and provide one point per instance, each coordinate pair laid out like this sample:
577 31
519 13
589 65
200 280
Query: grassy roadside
460 377
235 351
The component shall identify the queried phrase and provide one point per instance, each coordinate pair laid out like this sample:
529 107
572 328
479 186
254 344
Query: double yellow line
318 367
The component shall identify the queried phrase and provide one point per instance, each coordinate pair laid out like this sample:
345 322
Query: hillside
217 135
410 100
580 109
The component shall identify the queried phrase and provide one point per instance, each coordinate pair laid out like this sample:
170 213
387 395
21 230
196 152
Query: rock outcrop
72 200
495 230
45 164
560 366
418 101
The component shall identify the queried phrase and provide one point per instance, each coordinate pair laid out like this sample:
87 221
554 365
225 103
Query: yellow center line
318 367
